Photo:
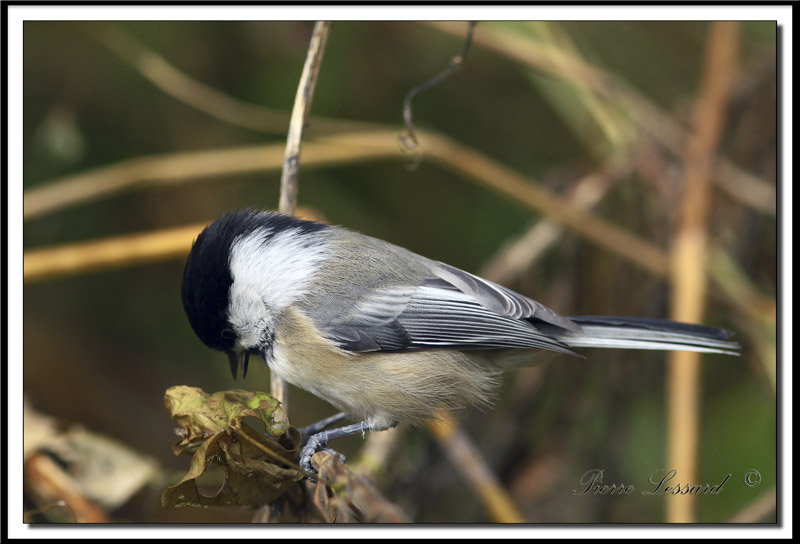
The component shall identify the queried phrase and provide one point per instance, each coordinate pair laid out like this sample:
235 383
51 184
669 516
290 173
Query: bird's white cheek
249 318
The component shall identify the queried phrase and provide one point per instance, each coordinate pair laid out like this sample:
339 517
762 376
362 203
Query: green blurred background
102 347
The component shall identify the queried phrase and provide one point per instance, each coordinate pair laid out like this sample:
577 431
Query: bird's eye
228 335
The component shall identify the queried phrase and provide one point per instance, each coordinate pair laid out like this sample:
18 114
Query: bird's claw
315 443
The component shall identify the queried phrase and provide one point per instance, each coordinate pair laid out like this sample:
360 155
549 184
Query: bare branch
302 106
409 140
279 388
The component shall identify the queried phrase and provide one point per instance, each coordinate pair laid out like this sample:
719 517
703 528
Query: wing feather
501 300
437 314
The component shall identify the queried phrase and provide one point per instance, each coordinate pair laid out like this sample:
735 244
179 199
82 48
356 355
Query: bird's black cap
207 278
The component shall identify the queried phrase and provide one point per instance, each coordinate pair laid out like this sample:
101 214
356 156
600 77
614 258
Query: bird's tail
641 333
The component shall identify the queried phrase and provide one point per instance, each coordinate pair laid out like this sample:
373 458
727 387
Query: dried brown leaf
345 497
256 463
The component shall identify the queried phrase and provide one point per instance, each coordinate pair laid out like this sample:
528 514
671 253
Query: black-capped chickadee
383 334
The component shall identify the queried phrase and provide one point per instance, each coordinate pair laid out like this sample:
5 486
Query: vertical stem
688 265
302 106
288 199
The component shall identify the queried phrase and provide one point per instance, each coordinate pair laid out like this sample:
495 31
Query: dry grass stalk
688 260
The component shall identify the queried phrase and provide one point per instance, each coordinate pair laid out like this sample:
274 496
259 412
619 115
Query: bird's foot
316 442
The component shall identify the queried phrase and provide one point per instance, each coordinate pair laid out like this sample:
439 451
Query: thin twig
688 259
265 450
408 140
302 106
279 388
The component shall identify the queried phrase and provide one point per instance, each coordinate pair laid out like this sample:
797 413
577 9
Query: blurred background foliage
101 347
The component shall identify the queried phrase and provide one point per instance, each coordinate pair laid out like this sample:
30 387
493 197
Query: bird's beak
234 358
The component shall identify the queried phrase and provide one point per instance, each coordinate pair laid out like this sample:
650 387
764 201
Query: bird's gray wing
501 300
453 310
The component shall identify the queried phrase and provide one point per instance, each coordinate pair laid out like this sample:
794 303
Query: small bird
381 333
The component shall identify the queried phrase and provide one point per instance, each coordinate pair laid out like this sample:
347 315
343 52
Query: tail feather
642 333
